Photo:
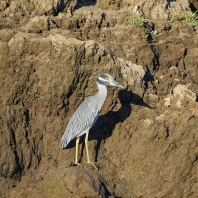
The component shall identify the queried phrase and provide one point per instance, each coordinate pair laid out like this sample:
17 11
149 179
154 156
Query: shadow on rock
105 124
82 3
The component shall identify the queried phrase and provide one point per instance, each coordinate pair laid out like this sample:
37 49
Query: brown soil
145 142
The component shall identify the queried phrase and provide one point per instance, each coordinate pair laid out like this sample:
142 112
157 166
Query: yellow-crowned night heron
86 114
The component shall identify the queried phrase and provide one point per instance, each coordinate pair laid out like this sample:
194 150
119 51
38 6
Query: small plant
140 21
191 17
134 20
131 20
157 35
174 17
146 36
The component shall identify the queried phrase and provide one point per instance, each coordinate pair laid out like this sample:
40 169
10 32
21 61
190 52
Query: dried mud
145 142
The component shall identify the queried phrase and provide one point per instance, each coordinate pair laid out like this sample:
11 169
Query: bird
86 115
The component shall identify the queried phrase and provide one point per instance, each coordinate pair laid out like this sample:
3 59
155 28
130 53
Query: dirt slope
145 142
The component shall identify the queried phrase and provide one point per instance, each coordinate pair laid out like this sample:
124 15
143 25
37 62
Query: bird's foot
94 164
76 164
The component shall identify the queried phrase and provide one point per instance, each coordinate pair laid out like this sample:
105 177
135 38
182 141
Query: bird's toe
94 164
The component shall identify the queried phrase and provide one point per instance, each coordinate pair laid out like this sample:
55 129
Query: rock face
68 182
145 140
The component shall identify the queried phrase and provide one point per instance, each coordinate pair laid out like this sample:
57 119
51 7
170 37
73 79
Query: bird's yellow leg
77 143
86 146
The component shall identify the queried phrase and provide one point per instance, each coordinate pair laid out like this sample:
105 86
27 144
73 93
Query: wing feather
82 120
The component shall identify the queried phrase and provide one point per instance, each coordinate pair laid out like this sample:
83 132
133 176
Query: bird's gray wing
83 118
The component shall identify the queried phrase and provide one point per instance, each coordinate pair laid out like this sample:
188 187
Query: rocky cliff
145 142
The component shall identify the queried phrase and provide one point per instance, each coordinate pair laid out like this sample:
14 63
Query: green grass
134 20
191 17
174 17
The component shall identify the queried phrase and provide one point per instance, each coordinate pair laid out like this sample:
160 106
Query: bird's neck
101 95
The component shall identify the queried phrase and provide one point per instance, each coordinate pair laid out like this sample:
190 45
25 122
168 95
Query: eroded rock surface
145 140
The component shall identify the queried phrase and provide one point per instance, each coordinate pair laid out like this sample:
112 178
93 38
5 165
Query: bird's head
106 79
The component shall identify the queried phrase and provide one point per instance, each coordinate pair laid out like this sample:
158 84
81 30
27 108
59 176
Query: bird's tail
63 143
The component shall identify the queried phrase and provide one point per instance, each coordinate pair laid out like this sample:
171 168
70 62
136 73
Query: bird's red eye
107 78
